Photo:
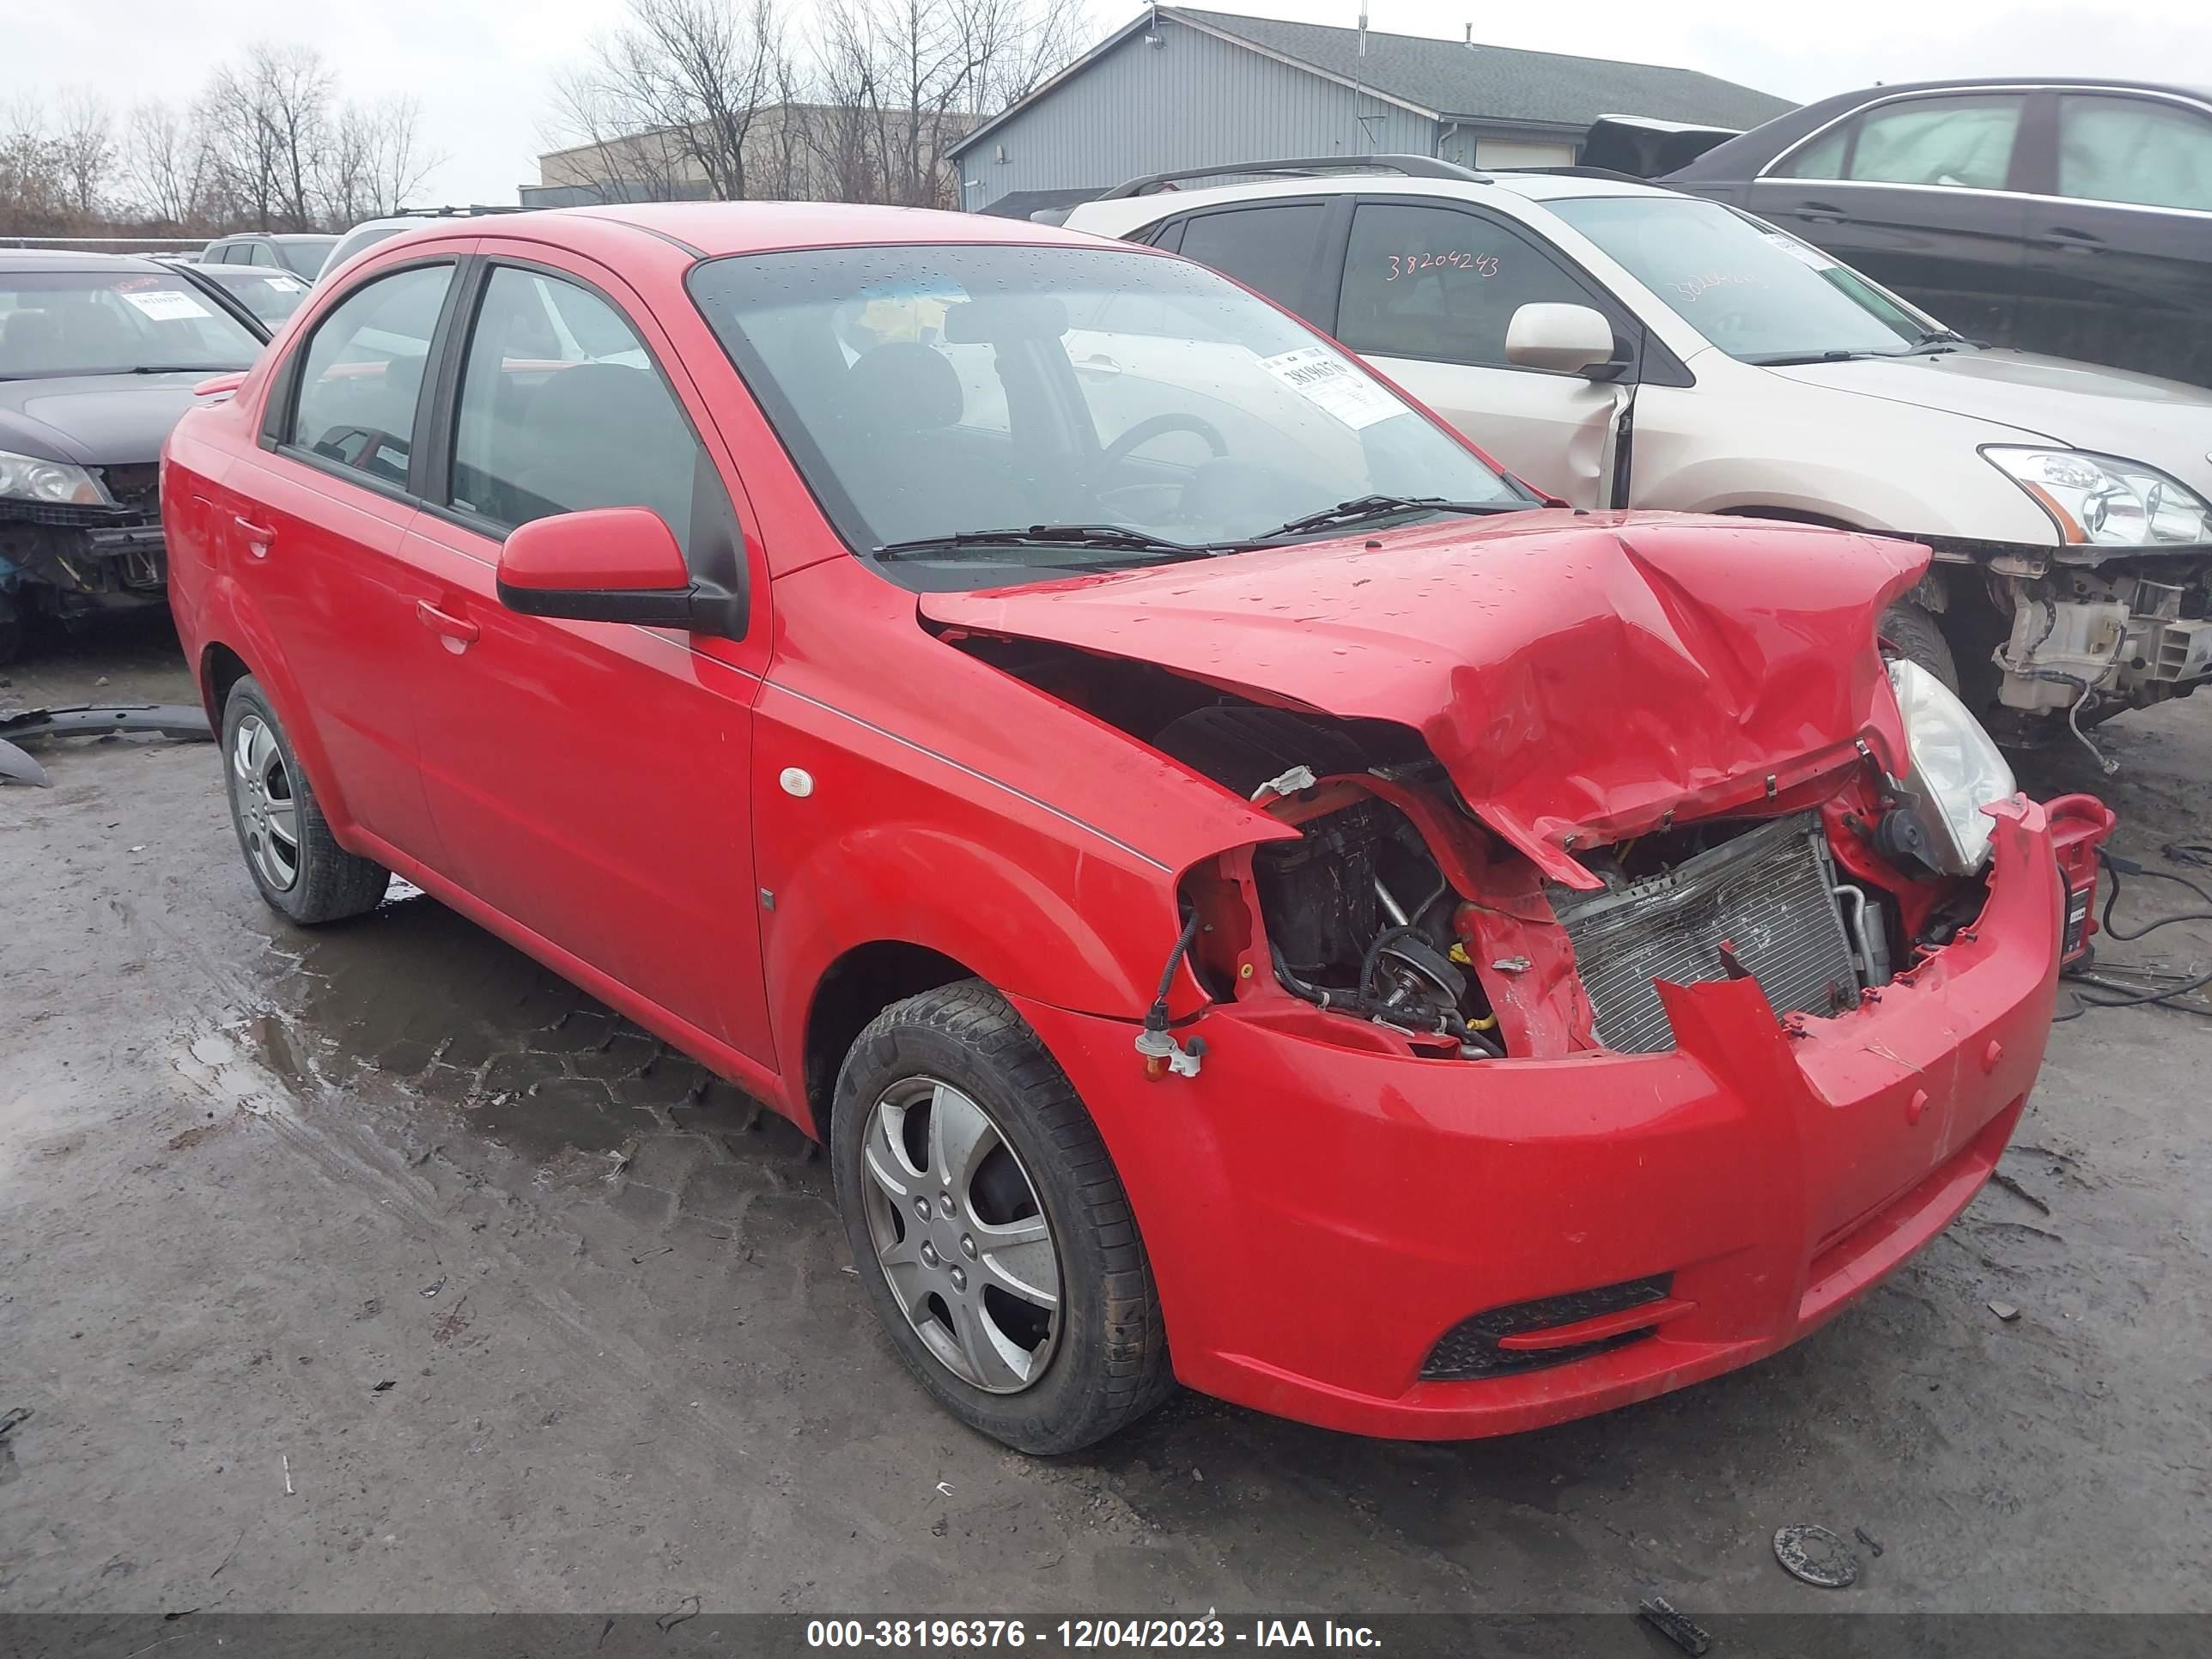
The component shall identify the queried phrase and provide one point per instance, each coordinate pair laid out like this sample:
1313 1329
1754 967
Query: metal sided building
1176 89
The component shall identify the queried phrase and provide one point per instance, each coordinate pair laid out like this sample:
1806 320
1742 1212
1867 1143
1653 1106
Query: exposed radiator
1767 891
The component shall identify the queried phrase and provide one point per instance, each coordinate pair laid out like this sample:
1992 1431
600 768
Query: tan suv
1623 345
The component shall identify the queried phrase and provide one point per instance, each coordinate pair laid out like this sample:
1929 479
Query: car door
2119 234
1921 193
322 508
589 780
1429 290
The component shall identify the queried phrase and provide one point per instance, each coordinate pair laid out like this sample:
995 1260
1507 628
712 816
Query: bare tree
398 163
31 196
675 94
372 161
85 151
605 148
242 151
166 165
907 78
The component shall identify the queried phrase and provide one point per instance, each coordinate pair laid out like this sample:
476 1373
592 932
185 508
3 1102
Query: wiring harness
2181 994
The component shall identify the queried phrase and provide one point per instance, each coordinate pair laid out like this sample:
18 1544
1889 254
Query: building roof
1450 79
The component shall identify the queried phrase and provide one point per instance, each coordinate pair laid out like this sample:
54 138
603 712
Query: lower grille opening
1469 1349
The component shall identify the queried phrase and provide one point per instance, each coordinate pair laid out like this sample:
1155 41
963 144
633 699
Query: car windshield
1095 406
122 322
1756 292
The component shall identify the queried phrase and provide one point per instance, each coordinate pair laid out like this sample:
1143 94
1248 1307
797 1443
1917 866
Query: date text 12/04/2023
1083 1634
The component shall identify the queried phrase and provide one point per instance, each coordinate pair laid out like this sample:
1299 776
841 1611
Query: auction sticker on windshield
1803 252
166 305
1322 378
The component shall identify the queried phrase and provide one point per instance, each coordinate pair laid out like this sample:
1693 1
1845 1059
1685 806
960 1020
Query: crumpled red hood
1579 675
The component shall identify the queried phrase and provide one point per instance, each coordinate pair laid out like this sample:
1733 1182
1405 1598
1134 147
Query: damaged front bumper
1426 1249
70 560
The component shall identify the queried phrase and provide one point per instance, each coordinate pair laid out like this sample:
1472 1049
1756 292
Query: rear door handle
258 538
2074 241
457 630
1821 213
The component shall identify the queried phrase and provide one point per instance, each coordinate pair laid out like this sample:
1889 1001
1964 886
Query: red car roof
721 228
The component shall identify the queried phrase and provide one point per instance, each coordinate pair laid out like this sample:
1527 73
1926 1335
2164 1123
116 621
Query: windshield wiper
1934 341
175 368
1788 359
1376 507
1108 537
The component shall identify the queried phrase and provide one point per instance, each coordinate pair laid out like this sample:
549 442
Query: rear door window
2136 151
1274 250
1441 284
362 374
1960 144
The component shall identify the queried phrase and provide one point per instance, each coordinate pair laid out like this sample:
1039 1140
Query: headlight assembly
2105 501
1956 771
28 479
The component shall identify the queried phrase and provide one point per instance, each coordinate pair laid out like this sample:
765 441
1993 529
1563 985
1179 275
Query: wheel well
221 668
858 985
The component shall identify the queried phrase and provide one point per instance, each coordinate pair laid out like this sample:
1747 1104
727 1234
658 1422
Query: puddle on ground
415 1014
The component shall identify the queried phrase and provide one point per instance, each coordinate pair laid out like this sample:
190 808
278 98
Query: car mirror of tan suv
1565 339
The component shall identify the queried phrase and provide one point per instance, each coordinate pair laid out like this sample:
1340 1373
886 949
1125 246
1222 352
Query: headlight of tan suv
2103 500
28 479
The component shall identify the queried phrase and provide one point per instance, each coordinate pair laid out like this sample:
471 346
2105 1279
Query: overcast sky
482 68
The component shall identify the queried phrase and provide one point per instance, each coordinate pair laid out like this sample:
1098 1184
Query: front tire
1911 632
294 861
991 1232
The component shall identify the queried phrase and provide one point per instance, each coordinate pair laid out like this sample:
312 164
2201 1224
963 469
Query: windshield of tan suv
1756 292
969 415
54 322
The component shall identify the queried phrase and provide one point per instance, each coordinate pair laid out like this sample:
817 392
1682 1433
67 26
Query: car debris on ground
1816 1556
187 721
1691 1637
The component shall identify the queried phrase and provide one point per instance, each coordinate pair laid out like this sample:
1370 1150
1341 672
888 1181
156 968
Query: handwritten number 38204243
1405 264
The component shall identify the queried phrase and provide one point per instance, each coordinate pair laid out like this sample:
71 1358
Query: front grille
1767 892
1469 1349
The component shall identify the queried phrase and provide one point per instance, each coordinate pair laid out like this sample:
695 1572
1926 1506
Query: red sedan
1248 892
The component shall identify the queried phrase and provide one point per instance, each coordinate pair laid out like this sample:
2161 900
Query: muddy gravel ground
377 1268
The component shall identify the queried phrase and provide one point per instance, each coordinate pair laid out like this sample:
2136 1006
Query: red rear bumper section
1441 1249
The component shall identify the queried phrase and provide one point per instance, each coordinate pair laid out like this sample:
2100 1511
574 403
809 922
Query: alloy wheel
268 814
961 1236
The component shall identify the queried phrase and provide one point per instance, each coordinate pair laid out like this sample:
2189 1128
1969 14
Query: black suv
2073 217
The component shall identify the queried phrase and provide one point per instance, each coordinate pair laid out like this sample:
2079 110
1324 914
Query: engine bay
1394 908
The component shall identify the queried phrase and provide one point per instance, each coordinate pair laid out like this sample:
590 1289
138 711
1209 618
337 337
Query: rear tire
1911 632
294 861
957 1067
